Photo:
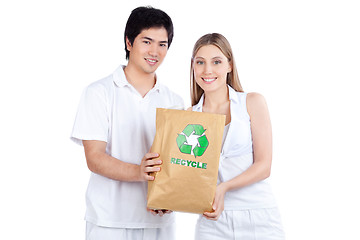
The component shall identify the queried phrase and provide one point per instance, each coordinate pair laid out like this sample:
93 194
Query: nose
208 69
153 50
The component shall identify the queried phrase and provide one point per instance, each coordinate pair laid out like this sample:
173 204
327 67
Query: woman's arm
262 144
262 147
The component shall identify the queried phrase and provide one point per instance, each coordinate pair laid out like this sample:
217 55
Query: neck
218 102
213 100
142 81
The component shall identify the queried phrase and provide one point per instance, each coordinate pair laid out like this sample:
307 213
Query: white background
303 56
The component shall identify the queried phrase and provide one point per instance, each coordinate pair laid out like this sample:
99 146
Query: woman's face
210 68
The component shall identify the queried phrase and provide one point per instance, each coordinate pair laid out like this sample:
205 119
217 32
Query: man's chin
151 69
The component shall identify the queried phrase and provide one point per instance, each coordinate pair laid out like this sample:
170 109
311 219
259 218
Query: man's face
149 49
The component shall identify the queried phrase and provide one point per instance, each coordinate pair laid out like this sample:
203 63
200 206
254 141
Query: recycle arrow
192 129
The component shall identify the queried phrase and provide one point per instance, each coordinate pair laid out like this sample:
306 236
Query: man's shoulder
168 91
100 89
173 97
104 83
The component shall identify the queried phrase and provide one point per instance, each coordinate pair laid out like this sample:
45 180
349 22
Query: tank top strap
238 104
243 107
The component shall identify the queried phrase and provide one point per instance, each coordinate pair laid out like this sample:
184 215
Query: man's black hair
143 18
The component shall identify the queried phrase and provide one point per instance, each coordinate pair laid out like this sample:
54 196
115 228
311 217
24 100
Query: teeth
209 79
150 60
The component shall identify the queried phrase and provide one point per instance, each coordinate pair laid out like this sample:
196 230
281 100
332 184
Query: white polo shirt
111 110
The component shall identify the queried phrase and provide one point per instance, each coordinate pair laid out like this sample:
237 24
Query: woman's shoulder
255 101
254 97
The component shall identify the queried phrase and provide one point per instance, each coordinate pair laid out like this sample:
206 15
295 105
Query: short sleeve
177 102
180 102
91 121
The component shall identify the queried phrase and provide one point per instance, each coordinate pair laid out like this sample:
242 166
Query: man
116 125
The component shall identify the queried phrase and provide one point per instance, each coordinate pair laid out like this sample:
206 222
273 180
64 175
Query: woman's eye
199 62
217 62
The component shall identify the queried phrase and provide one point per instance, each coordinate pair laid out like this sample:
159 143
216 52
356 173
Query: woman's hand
218 204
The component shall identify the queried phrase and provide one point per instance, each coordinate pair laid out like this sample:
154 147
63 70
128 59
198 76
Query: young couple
115 123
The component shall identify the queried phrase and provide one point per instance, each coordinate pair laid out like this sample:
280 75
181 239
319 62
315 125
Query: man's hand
148 165
160 212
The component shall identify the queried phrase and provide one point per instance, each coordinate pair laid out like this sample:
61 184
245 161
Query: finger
150 155
210 218
152 162
151 169
161 213
168 211
215 205
149 177
210 215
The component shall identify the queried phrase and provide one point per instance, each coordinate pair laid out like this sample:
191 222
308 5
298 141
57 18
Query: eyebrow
211 58
152 40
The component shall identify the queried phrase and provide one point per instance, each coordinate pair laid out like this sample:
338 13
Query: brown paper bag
189 144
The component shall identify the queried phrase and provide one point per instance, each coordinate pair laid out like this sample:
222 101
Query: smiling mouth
209 80
151 61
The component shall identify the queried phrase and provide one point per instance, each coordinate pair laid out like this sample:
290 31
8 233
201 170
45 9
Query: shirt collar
157 85
198 106
120 78
232 97
121 81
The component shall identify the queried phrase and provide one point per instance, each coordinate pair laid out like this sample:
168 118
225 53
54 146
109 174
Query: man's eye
146 42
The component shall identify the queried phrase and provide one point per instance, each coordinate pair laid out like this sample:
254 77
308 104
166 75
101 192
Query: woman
244 207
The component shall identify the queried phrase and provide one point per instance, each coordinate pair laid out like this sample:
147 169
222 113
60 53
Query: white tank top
237 156
226 129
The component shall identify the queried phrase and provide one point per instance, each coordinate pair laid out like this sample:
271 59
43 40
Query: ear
230 68
128 44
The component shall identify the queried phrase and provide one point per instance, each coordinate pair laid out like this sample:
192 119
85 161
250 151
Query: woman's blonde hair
222 43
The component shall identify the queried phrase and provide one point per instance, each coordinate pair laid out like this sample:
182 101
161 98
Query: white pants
255 224
94 232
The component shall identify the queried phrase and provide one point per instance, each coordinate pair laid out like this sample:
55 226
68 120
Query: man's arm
101 163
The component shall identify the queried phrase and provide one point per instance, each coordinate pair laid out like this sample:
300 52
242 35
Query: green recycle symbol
192 131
